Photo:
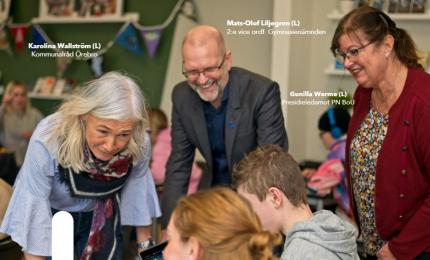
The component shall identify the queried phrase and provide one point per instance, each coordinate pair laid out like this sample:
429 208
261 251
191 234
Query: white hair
112 96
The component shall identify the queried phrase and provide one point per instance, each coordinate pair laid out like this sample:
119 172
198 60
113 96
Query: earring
387 54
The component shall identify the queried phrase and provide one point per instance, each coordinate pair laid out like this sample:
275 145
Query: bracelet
145 244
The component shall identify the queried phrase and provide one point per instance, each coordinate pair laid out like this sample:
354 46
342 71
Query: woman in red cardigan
388 143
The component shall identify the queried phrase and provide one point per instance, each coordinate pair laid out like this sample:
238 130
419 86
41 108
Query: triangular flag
37 37
152 38
128 40
18 32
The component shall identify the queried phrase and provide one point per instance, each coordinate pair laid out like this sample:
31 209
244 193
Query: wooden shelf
128 17
336 15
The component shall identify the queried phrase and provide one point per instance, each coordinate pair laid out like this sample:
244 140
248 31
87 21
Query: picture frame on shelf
392 6
80 9
418 6
404 6
4 10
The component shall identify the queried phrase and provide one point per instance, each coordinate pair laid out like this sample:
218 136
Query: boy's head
270 179
333 124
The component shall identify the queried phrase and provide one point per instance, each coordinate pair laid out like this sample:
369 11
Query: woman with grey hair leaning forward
83 159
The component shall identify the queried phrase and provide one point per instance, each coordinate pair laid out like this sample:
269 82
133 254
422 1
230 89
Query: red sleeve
415 236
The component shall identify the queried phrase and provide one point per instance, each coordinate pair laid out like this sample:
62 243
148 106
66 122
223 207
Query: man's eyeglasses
193 74
354 52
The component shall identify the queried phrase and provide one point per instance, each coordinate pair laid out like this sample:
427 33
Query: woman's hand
308 173
7 100
385 254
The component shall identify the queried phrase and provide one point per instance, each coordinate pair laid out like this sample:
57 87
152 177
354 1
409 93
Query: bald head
203 36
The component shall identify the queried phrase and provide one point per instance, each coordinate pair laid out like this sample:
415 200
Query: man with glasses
223 111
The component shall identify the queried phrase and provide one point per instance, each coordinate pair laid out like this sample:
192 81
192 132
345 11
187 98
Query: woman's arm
33 257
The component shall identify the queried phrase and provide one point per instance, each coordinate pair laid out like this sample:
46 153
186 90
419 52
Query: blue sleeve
139 201
28 217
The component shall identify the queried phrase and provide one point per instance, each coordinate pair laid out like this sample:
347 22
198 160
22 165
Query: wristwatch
145 244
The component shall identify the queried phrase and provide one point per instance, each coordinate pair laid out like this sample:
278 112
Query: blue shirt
37 190
215 123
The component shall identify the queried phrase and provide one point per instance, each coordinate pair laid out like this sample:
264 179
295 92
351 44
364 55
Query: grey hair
113 96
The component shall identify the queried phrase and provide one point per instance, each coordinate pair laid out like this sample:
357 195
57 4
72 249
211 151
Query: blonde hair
10 88
225 226
113 96
157 122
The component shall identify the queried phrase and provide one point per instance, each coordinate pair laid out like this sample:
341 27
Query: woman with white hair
91 159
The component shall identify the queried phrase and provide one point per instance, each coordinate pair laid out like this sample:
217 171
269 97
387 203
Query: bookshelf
127 17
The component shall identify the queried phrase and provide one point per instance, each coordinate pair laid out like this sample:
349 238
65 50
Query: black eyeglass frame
196 73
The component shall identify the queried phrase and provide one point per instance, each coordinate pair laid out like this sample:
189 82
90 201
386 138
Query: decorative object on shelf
418 6
60 9
379 4
44 85
52 87
4 9
407 6
404 6
346 6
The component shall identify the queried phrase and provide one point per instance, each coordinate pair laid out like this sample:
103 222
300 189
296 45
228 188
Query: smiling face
369 66
19 98
208 85
106 137
206 63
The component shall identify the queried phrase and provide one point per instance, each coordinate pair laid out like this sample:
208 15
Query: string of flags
125 37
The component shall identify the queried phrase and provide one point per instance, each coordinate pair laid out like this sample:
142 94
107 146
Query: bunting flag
96 65
128 40
152 39
126 36
37 37
18 32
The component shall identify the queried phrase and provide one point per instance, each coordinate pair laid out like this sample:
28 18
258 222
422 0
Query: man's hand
385 254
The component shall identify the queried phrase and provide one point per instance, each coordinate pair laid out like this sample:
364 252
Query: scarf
102 183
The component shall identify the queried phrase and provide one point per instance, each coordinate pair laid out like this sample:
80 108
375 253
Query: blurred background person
217 224
161 141
18 119
330 177
388 142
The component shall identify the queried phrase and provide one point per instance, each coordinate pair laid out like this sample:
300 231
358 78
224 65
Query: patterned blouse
365 147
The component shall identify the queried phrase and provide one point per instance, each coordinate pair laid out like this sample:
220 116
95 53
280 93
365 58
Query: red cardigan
402 192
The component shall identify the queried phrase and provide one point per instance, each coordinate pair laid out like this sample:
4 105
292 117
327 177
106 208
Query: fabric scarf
102 183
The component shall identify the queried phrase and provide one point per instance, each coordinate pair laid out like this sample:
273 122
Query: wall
251 52
150 73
